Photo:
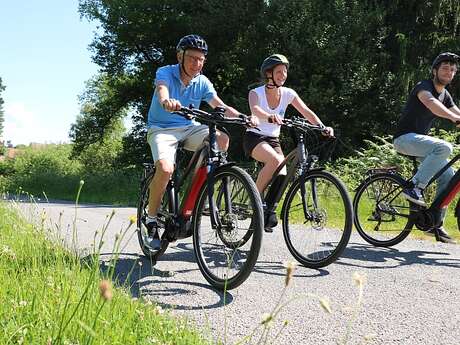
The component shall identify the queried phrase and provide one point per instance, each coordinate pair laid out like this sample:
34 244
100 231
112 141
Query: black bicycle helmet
272 61
450 57
192 42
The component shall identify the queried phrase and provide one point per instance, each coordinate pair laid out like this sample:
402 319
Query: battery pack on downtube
191 198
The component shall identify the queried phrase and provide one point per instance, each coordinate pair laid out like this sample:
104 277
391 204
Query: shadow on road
142 279
279 269
365 256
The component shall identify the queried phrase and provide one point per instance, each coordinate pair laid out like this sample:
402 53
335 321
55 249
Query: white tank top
270 129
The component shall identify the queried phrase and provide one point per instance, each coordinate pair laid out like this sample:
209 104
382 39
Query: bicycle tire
318 238
227 266
377 203
141 230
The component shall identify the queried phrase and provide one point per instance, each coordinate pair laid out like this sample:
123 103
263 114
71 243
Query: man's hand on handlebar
171 104
253 121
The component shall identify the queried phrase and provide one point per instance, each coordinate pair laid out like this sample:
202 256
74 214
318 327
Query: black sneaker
152 229
441 235
415 195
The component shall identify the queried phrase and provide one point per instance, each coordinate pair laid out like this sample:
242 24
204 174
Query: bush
52 171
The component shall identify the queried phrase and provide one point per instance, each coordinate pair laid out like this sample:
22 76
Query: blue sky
44 63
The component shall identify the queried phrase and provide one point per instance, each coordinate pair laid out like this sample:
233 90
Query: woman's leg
271 160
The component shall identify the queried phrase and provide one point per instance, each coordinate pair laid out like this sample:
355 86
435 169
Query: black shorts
251 140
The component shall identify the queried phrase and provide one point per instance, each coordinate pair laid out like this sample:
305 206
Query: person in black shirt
429 99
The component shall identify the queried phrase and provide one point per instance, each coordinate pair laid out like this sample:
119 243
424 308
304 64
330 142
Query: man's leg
163 143
433 152
163 172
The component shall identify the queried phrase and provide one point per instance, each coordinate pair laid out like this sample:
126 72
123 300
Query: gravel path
411 294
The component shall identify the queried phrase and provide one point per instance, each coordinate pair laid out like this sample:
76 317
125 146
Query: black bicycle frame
453 187
298 157
207 150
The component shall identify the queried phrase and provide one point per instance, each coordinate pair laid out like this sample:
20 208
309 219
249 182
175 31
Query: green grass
49 296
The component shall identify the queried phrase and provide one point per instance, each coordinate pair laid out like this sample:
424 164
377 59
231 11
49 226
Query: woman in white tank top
269 102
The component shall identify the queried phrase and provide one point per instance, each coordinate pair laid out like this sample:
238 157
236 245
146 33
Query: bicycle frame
182 210
301 163
442 200
447 195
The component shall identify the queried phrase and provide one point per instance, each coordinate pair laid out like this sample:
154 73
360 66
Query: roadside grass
115 188
49 296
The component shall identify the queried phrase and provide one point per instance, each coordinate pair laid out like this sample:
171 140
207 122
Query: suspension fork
212 163
305 166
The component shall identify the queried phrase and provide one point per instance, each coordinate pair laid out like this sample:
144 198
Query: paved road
411 296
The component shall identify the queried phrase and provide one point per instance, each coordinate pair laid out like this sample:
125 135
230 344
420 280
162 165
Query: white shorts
164 141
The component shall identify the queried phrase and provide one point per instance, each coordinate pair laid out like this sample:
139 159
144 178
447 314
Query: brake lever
247 122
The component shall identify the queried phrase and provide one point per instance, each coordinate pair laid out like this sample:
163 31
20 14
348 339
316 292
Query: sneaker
441 235
152 228
415 195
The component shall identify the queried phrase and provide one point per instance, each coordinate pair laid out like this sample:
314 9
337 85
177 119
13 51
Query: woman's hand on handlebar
276 119
328 132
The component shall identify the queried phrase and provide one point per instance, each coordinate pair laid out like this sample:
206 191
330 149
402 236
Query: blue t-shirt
199 89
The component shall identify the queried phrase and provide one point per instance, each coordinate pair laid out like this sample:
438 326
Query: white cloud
23 126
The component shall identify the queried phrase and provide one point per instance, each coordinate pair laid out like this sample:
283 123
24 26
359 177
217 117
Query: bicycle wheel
225 253
142 234
317 227
239 207
381 212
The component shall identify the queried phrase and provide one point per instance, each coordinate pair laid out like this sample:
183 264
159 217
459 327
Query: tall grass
49 296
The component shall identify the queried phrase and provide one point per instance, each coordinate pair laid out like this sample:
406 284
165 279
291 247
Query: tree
352 61
2 118
139 36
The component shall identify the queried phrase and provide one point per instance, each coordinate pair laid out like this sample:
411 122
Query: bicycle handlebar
216 116
303 125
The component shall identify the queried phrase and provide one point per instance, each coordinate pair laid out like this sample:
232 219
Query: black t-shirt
416 117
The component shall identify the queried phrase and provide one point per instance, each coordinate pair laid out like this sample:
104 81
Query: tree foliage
353 62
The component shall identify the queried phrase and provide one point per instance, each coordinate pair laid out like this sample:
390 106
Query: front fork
303 190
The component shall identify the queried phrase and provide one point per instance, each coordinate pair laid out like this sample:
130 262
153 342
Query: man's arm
168 104
436 107
217 102
229 111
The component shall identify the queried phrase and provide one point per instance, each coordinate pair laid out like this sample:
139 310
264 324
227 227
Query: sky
44 63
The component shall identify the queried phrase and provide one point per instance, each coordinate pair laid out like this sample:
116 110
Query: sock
150 219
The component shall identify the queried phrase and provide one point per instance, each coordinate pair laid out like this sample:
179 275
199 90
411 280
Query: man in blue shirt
428 100
176 86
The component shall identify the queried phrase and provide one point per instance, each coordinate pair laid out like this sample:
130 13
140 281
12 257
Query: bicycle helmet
449 57
272 61
192 42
